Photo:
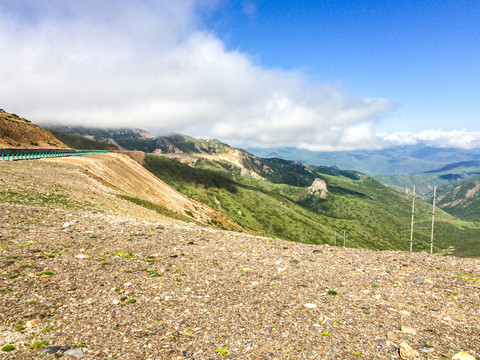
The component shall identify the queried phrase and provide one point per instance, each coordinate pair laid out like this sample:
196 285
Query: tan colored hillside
233 156
16 132
121 173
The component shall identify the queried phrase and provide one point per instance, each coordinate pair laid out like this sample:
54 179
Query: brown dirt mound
16 132
121 173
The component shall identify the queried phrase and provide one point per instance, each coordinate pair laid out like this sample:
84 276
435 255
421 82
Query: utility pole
433 218
413 214
334 236
344 237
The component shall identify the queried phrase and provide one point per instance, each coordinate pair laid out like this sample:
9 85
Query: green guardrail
30 156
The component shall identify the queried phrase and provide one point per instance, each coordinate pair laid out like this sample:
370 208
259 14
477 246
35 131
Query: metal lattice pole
433 218
413 215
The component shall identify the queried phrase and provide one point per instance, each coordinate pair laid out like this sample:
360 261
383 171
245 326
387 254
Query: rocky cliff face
318 187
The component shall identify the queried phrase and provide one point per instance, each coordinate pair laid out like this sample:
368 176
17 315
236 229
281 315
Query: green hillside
270 196
80 142
447 177
463 200
373 216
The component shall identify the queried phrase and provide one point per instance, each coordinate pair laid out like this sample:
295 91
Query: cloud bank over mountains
436 138
150 64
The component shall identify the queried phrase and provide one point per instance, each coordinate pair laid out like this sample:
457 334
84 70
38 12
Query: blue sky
422 55
318 75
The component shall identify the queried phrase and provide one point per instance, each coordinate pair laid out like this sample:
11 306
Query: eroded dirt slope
16 132
123 174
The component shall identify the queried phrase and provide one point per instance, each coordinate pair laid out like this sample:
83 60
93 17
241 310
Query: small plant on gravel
366 312
8 347
116 289
48 328
51 256
32 302
79 345
454 293
13 276
47 273
375 285
332 292
299 349
125 254
131 301
222 351
25 266
105 263
153 273
358 353
325 333
128 271
294 261
38 344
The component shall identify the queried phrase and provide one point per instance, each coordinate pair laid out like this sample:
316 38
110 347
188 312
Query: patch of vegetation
222 351
56 197
8 347
157 208
332 292
38 344
153 273
82 143
373 215
46 273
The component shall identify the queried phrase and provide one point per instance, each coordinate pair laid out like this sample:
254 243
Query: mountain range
304 202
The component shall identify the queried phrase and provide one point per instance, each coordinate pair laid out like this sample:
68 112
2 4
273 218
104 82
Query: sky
318 75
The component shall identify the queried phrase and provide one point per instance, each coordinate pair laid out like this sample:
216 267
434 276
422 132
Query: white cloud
147 64
436 138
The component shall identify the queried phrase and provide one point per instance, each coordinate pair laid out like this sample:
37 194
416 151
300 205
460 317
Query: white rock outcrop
318 187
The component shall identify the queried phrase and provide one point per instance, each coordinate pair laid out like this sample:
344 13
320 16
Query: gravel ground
99 283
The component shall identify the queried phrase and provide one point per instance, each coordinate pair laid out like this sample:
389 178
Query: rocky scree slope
87 273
